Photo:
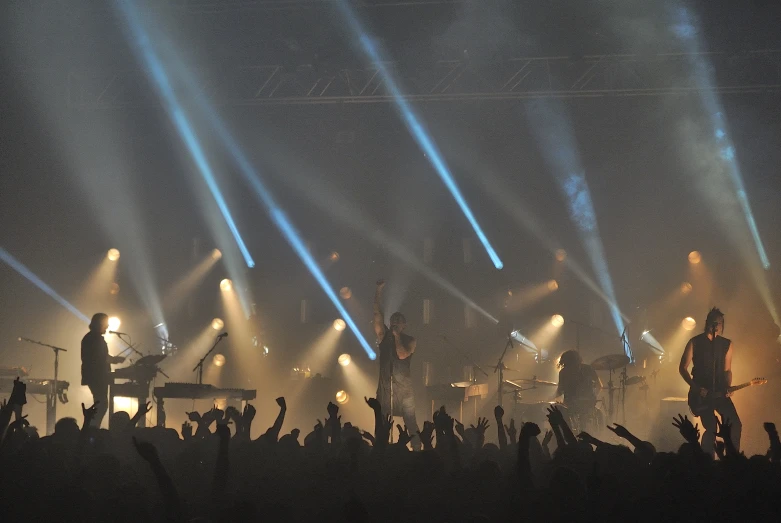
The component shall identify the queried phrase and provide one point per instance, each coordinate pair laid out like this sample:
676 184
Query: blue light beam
180 120
277 215
35 280
418 131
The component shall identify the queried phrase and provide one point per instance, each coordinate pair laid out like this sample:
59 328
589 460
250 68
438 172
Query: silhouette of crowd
212 471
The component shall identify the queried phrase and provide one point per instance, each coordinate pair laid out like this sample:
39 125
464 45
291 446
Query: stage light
226 285
114 323
557 320
344 360
345 293
688 323
216 254
113 254
553 285
114 290
695 257
265 350
339 324
686 287
342 397
334 256
217 324
561 255
219 360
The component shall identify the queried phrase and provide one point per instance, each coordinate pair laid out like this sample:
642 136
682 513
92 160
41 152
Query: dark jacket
95 360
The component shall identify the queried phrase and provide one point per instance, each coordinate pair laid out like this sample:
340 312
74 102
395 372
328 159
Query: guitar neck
738 387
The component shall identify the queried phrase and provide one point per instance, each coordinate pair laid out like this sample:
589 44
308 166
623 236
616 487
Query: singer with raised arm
96 365
396 349
710 379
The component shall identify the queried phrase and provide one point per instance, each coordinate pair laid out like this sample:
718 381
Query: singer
396 349
96 364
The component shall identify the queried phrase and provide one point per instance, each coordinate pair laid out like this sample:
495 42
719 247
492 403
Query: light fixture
114 323
342 397
217 324
557 320
113 254
216 254
553 285
686 288
114 290
219 360
561 255
345 293
339 324
334 256
344 360
688 323
226 285
695 257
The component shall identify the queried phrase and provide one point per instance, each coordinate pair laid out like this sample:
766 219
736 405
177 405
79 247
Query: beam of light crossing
177 114
554 136
35 280
418 131
277 215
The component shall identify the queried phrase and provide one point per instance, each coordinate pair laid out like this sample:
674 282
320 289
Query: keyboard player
96 364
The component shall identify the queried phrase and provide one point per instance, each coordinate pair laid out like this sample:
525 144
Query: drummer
578 383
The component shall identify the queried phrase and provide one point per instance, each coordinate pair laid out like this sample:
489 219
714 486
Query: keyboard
35 386
195 391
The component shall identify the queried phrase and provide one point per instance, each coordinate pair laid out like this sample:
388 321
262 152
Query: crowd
213 471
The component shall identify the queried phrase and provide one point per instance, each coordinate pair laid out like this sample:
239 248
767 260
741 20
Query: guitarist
711 375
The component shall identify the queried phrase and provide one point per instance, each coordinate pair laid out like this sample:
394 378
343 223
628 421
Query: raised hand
427 434
281 402
374 403
404 436
530 430
219 416
459 426
249 413
512 432
690 433
146 450
620 431
333 410
547 437
368 437
555 417
187 430
232 413
194 416
89 413
498 412
482 426
19 393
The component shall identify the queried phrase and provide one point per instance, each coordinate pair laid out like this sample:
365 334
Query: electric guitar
699 405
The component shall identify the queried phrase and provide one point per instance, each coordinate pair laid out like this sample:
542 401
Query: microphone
118 333
223 335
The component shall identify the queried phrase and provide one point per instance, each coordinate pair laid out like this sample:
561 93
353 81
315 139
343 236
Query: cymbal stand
610 390
623 395
51 399
199 366
500 367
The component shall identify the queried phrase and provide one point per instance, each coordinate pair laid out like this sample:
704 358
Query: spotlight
557 320
510 293
265 350
339 324
342 397
344 360
688 323
216 254
114 323
113 254
561 255
218 360
334 256
226 285
345 293
695 257
553 285
114 290
217 324
686 288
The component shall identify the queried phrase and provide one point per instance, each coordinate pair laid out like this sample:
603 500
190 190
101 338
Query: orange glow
339 324
688 323
226 285
686 288
217 324
695 257
219 360
561 255
553 285
557 320
342 397
345 293
113 254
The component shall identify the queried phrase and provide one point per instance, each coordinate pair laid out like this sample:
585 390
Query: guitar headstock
758 381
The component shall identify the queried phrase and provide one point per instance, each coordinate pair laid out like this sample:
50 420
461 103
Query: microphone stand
51 400
199 367
128 345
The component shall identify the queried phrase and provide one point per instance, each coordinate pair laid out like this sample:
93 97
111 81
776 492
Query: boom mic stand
500 367
51 399
199 366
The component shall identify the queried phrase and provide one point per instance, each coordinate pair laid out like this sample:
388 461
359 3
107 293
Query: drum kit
581 417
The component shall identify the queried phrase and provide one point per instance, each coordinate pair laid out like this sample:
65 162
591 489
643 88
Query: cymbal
535 381
506 369
610 362
634 380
